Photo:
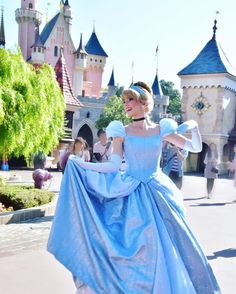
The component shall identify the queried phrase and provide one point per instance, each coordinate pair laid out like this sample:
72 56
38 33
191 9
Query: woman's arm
193 145
112 165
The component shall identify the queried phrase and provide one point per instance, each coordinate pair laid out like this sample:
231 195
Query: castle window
96 60
83 93
39 50
91 59
55 51
100 60
34 49
30 6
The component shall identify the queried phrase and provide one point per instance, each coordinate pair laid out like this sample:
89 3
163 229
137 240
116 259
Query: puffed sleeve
167 127
115 129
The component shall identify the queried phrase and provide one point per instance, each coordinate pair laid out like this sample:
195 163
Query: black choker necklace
138 119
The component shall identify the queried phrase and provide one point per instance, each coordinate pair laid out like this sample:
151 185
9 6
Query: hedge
19 196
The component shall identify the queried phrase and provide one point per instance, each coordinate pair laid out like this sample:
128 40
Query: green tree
175 98
114 110
32 107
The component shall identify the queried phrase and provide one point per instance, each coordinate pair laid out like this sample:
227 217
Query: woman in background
211 161
232 166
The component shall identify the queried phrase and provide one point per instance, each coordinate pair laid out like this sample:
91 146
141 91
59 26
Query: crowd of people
172 160
79 147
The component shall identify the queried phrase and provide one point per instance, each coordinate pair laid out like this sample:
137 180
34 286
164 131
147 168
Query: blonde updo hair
145 98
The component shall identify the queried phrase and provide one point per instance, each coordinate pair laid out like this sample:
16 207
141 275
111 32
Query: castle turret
161 101
96 61
80 66
67 14
209 95
111 85
37 50
28 18
2 32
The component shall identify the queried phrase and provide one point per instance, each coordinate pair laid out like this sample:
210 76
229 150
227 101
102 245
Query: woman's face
133 108
78 146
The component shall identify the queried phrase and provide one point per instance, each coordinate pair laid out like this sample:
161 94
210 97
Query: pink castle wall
94 75
25 4
58 39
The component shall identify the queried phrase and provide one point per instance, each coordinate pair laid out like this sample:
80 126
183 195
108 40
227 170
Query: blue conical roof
48 28
156 89
209 61
112 79
94 47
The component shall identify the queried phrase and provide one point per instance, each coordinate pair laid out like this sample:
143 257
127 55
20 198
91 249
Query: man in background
103 148
173 163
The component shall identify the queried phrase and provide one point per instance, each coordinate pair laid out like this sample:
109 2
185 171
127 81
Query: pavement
27 268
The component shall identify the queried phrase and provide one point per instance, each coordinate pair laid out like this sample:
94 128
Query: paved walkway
31 270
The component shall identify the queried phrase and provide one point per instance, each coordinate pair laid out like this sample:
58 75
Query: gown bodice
142 156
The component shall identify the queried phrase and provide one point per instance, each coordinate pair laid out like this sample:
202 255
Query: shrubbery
20 197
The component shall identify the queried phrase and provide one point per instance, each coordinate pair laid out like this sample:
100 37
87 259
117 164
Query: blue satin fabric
126 233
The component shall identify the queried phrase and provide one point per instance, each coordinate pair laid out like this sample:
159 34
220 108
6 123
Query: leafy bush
20 197
31 107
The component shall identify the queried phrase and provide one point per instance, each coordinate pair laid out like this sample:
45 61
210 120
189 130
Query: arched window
30 6
55 51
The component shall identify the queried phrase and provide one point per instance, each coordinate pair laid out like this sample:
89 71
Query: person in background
65 155
232 166
39 160
103 148
173 158
86 153
212 159
78 148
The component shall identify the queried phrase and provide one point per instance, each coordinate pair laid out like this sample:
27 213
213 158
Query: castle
208 82
79 71
85 65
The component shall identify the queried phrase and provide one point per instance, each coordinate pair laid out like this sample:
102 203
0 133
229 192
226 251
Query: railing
28 13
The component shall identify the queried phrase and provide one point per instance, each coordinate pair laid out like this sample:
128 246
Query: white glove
111 166
195 144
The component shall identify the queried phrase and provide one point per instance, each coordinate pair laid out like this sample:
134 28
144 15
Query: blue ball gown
127 232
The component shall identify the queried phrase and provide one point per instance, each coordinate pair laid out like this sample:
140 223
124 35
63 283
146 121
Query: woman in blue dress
126 232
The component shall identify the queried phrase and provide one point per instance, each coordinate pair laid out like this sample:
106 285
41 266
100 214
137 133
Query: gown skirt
117 234
125 233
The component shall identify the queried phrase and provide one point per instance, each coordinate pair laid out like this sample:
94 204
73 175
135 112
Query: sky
130 31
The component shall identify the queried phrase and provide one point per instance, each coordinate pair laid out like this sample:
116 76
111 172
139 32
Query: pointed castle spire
94 47
81 49
112 80
156 89
2 31
214 29
210 60
38 42
64 81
